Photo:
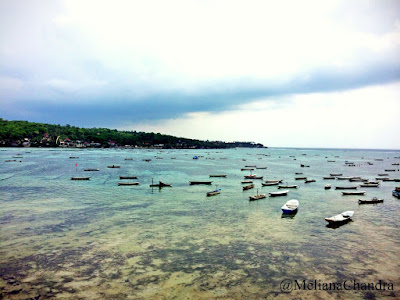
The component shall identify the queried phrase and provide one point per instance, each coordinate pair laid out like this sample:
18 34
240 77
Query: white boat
340 218
275 194
213 193
327 186
290 206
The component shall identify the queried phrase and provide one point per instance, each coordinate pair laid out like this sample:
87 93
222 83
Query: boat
309 180
128 183
383 174
298 173
340 218
345 188
128 177
390 170
304 166
248 187
288 186
276 194
147 160
213 193
200 182
128 158
371 201
247 181
353 193
246 169
80 178
256 197
258 177
262 168
160 184
269 183
91 170
113 167
369 184
328 177
74 157
290 206
396 192
344 178
218 175
336 174
300 178
273 181
327 186
250 166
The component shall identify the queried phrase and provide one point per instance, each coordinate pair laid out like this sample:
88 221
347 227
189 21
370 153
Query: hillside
24 133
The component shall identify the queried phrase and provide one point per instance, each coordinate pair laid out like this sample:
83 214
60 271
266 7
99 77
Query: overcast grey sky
283 73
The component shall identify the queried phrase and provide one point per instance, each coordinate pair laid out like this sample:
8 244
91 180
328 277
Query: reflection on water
95 239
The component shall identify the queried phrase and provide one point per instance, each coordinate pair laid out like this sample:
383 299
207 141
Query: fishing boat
300 178
383 174
246 169
328 177
258 177
298 173
345 188
269 183
248 187
113 167
247 181
276 194
91 170
290 206
273 181
288 186
304 166
250 176
261 168
128 158
250 166
256 197
390 170
371 201
213 193
80 178
128 183
128 177
309 180
218 175
353 193
369 184
327 186
340 218
200 182
344 178
336 174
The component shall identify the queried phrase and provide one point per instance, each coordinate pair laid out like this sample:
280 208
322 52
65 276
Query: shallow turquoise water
95 239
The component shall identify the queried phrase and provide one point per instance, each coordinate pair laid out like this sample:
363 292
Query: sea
93 239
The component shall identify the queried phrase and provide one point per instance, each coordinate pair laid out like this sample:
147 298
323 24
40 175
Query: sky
283 73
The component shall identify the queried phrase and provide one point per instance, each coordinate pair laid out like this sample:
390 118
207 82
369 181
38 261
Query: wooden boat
250 166
388 179
336 174
200 182
304 166
309 180
147 160
247 181
328 177
327 186
213 193
276 194
258 177
383 174
128 158
357 179
113 167
74 157
298 173
128 177
91 170
381 178
390 170
160 184
246 169
10 160
248 187
290 206
128 183
369 184
340 218
261 168
80 178
273 181
256 197
250 176
269 183
345 187
288 187
371 201
353 193
300 178
344 178
218 175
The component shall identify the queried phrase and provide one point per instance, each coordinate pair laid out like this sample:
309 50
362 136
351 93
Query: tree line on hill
24 133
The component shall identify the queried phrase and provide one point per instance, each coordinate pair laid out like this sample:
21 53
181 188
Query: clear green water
97 240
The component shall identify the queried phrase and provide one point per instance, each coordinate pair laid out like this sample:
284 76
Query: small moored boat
309 180
276 194
218 175
80 178
340 218
353 193
128 177
371 201
113 167
248 187
213 193
128 183
369 184
290 206
327 186
288 186
200 182
345 188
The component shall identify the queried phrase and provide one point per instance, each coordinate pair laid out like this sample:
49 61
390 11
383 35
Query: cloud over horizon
103 63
